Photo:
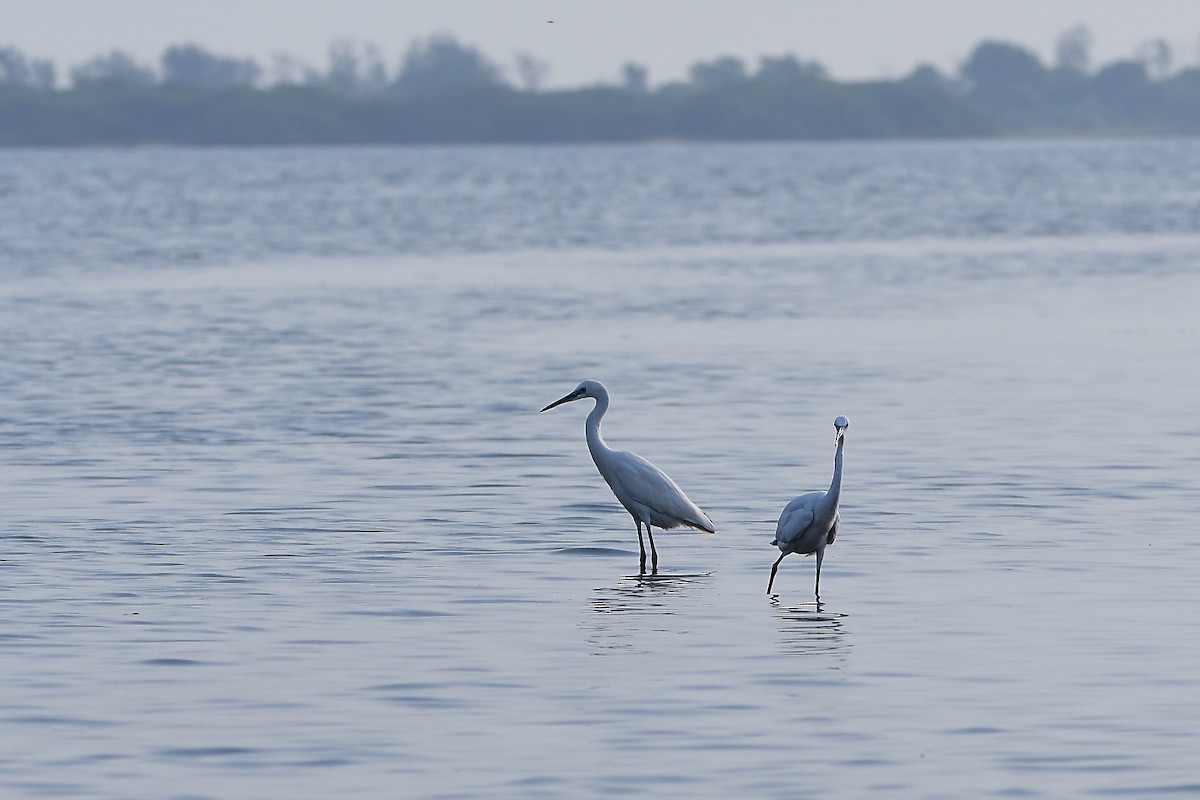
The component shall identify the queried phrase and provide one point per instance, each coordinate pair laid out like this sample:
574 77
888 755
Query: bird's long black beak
575 395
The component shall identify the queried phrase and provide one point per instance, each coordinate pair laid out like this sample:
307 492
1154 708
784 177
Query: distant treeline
444 91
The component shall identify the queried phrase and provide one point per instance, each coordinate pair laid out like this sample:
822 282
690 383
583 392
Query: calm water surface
279 517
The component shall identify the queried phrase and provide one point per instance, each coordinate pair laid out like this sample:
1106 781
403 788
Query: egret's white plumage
809 523
647 493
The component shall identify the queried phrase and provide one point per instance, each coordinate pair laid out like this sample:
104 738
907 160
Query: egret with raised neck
809 523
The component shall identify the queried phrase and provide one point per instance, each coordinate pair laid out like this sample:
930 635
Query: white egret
809 523
647 493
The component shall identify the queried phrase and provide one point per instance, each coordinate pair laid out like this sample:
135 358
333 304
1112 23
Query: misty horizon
522 70
446 91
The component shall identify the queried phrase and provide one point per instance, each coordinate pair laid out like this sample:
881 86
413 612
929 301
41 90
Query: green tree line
444 91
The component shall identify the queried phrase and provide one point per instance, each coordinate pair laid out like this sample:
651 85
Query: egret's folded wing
652 487
794 520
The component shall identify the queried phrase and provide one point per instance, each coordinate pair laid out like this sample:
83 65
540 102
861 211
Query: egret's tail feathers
693 517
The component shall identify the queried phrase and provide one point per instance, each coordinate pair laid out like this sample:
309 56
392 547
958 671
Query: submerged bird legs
642 547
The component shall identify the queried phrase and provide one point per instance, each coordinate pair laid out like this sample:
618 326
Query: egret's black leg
653 551
774 567
641 546
820 558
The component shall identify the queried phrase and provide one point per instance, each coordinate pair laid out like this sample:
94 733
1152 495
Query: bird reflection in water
645 593
808 629
648 606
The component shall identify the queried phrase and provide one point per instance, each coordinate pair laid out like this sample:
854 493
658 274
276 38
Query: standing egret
649 496
809 523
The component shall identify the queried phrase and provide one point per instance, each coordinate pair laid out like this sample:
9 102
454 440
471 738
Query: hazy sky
587 42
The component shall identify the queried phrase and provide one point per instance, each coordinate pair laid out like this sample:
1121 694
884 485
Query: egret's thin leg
641 546
820 558
653 551
774 567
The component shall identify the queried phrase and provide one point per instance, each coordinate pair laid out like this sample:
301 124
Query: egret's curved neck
835 485
594 440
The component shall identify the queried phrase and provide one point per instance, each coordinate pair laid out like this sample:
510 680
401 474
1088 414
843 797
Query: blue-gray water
279 517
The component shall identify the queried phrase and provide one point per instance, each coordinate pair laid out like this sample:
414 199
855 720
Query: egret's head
839 426
585 389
